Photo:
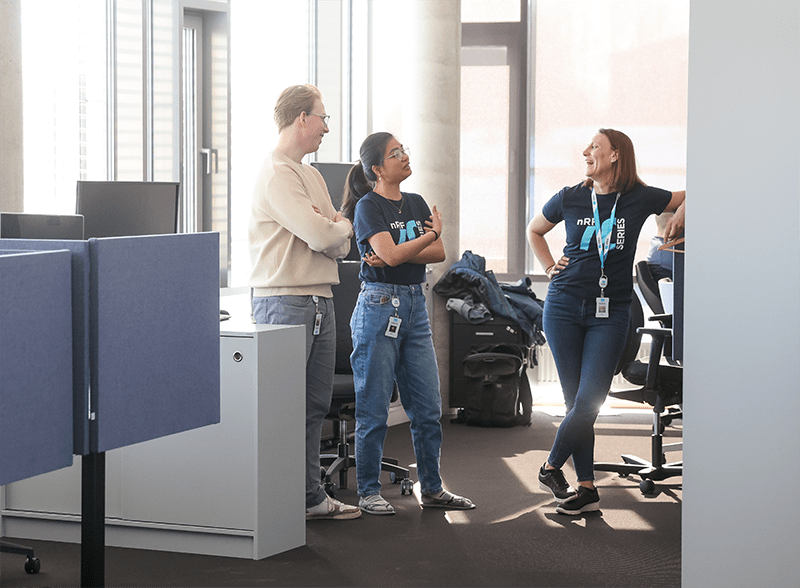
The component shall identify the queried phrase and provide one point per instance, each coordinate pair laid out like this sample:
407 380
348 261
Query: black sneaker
587 500
555 482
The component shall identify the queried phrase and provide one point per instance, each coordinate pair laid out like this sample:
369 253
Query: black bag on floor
499 394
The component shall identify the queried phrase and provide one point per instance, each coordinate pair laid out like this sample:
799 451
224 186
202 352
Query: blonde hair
293 101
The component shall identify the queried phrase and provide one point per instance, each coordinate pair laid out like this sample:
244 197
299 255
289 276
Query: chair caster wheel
406 487
330 489
32 565
647 486
393 478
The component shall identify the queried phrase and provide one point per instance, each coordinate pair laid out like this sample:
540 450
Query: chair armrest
664 319
658 335
654 331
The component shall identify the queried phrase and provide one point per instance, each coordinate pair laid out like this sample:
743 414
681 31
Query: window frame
515 37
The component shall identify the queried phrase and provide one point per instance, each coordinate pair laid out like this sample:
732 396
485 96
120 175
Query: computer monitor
334 175
21 225
123 209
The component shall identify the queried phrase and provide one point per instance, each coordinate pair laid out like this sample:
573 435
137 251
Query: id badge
601 311
393 328
317 322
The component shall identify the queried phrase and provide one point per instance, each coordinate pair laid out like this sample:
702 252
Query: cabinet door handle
484 334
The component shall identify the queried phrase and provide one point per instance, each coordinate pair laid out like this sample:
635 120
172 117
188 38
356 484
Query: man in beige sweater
295 237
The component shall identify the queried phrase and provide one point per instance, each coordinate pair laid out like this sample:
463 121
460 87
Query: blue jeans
320 361
586 351
378 361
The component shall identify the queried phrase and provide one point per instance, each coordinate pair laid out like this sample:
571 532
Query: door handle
209 153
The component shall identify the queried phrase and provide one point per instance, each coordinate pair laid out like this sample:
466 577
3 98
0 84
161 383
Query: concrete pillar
11 110
431 125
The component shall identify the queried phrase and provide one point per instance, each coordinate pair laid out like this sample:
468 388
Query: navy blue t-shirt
574 207
375 214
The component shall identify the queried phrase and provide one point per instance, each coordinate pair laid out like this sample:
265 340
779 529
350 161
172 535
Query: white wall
741 511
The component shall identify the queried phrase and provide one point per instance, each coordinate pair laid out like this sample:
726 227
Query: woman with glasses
397 235
587 308
295 237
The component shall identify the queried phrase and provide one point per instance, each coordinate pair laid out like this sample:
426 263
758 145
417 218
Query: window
493 137
270 52
112 77
490 10
538 79
615 64
64 98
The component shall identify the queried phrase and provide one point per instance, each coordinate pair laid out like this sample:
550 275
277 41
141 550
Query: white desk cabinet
233 489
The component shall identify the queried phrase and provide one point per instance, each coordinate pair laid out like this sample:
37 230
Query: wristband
435 233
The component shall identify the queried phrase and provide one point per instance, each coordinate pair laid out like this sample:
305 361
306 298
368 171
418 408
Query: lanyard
603 243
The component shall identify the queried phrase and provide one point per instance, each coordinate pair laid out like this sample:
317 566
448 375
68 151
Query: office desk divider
35 364
154 336
145 349
80 328
145 327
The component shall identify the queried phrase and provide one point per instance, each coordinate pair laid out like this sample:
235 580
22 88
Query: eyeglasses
398 153
325 117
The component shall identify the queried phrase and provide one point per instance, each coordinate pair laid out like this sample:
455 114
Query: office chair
32 563
342 411
660 386
652 297
649 287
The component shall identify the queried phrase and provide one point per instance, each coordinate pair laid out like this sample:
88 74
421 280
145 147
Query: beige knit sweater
293 249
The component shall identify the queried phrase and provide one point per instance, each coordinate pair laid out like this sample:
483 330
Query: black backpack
499 393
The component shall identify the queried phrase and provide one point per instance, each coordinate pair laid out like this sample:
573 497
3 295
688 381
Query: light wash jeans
586 351
378 361
320 361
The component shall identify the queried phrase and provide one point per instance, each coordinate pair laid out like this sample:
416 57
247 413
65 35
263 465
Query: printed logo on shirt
589 234
408 232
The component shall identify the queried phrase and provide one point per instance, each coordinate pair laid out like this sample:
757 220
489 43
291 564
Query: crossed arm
427 248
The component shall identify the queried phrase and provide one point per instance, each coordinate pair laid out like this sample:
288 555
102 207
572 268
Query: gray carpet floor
513 538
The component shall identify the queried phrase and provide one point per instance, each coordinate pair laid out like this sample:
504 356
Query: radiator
546 372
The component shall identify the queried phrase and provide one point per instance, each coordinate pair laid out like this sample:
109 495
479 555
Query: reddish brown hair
625 176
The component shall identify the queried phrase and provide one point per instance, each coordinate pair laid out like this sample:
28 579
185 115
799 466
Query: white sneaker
330 508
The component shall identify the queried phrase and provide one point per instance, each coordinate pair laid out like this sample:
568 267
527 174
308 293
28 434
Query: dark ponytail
361 179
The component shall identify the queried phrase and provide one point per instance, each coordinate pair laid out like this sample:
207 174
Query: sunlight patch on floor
525 511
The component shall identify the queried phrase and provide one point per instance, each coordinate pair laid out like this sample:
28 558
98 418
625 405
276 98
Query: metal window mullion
111 89
347 82
147 89
313 41
530 123
189 130
313 30
369 66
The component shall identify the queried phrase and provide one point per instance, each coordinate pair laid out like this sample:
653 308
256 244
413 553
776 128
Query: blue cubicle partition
154 339
35 363
80 328
146 336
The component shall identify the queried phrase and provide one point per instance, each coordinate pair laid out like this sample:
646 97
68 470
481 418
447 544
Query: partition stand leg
93 520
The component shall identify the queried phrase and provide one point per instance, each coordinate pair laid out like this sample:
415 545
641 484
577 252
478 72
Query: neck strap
603 241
